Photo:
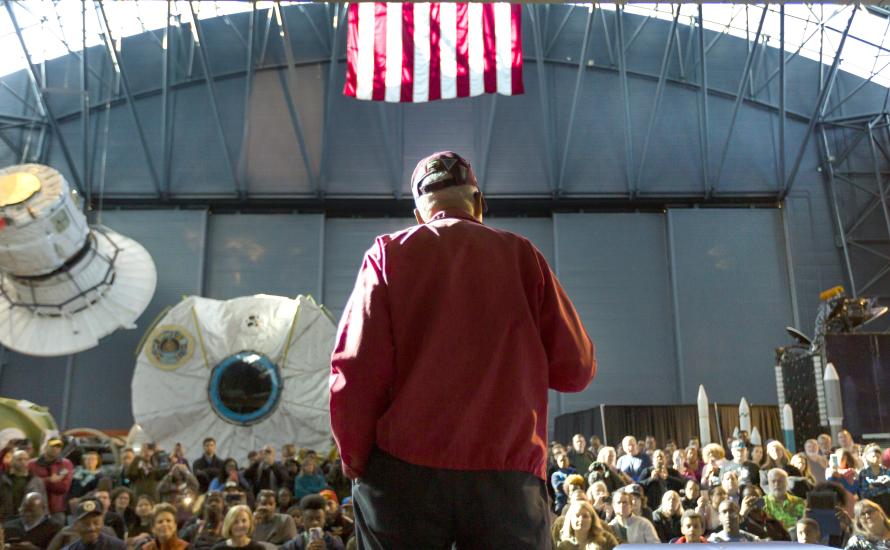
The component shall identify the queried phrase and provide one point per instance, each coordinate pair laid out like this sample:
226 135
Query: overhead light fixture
251 371
63 284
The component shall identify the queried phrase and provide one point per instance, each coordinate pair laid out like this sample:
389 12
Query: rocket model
704 419
744 416
833 402
755 437
788 427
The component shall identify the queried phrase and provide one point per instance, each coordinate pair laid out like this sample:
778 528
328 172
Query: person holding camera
755 520
314 537
147 470
660 478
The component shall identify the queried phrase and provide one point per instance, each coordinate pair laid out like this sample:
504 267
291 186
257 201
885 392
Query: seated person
627 527
90 527
583 529
692 527
33 528
779 503
667 517
808 531
872 528
271 526
730 520
314 536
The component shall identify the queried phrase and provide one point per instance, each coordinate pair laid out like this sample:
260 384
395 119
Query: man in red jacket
56 473
439 376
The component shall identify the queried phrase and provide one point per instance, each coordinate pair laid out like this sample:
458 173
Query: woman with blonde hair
805 483
237 530
872 528
583 530
713 457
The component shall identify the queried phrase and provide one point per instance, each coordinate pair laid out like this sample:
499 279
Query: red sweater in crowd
446 349
55 490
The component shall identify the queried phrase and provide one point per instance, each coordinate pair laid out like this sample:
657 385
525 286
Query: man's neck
780 497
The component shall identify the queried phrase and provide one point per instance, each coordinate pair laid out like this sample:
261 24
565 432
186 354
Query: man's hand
55 478
317 545
747 504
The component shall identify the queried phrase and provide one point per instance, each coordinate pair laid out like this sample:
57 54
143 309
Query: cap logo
89 506
449 163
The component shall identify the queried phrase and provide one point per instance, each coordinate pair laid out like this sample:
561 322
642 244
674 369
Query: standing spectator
147 470
693 466
231 473
660 478
86 476
178 482
310 481
627 527
713 457
845 442
584 530
871 526
817 462
121 478
15 483
33 525
779 503
267 473
666 517
748 471
163 527
271 526
730 520
56 473
453 325
579 456
633 461
557 481
178 455
208 466
88 524
692 527
873 481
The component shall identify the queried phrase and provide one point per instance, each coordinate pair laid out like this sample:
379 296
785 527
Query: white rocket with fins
744 416
788 427
704 419
833 401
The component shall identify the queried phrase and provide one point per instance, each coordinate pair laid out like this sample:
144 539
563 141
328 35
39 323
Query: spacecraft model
248 372
63 284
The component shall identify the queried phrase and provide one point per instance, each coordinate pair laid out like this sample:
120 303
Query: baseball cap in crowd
329 495
441 170
55 442
87 507
346 501
633 489
738 444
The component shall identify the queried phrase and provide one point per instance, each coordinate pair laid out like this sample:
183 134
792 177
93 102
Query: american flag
416 52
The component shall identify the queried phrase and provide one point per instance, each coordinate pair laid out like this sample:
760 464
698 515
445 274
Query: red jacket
446 349
55 491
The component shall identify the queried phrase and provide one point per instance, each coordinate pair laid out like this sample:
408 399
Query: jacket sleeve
62 486
570 353
362 364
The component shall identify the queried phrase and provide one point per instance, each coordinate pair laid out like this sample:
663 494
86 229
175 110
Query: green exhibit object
34 421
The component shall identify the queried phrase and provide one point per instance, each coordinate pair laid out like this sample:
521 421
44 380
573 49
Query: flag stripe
504 46
461 57
488 43
417 52
407 52
379 93
421 52
435 60
448 48
365 56
351 51
475 48
393 67
516 58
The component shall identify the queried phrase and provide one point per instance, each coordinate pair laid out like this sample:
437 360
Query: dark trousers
400 505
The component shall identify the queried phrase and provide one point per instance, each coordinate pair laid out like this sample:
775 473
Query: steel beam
45 107
85 109
781 154
211 89
165 106
292 84
608 38
330 94
559 28
746 74
659 91
878 178
839 224
704 118
549 137
856 90
248 87
130 102
11 144
820 104
582 61
622 75
322 41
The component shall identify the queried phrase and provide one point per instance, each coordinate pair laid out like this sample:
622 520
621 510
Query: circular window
245 388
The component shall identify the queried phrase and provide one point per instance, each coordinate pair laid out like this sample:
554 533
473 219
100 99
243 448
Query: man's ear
418 217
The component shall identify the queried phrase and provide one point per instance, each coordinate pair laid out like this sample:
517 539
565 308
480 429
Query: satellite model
63 284
249 371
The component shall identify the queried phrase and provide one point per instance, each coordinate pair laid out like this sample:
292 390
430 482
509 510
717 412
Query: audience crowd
834 492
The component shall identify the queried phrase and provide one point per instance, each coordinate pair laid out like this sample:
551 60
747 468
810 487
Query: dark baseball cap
87 507
441 170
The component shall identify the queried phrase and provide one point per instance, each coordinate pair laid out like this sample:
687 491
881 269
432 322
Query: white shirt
639 530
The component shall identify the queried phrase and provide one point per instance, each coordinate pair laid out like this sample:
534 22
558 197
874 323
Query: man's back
477 330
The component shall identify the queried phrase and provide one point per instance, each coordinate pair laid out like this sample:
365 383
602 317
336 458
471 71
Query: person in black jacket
33 528
267 473
660 478
208 466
